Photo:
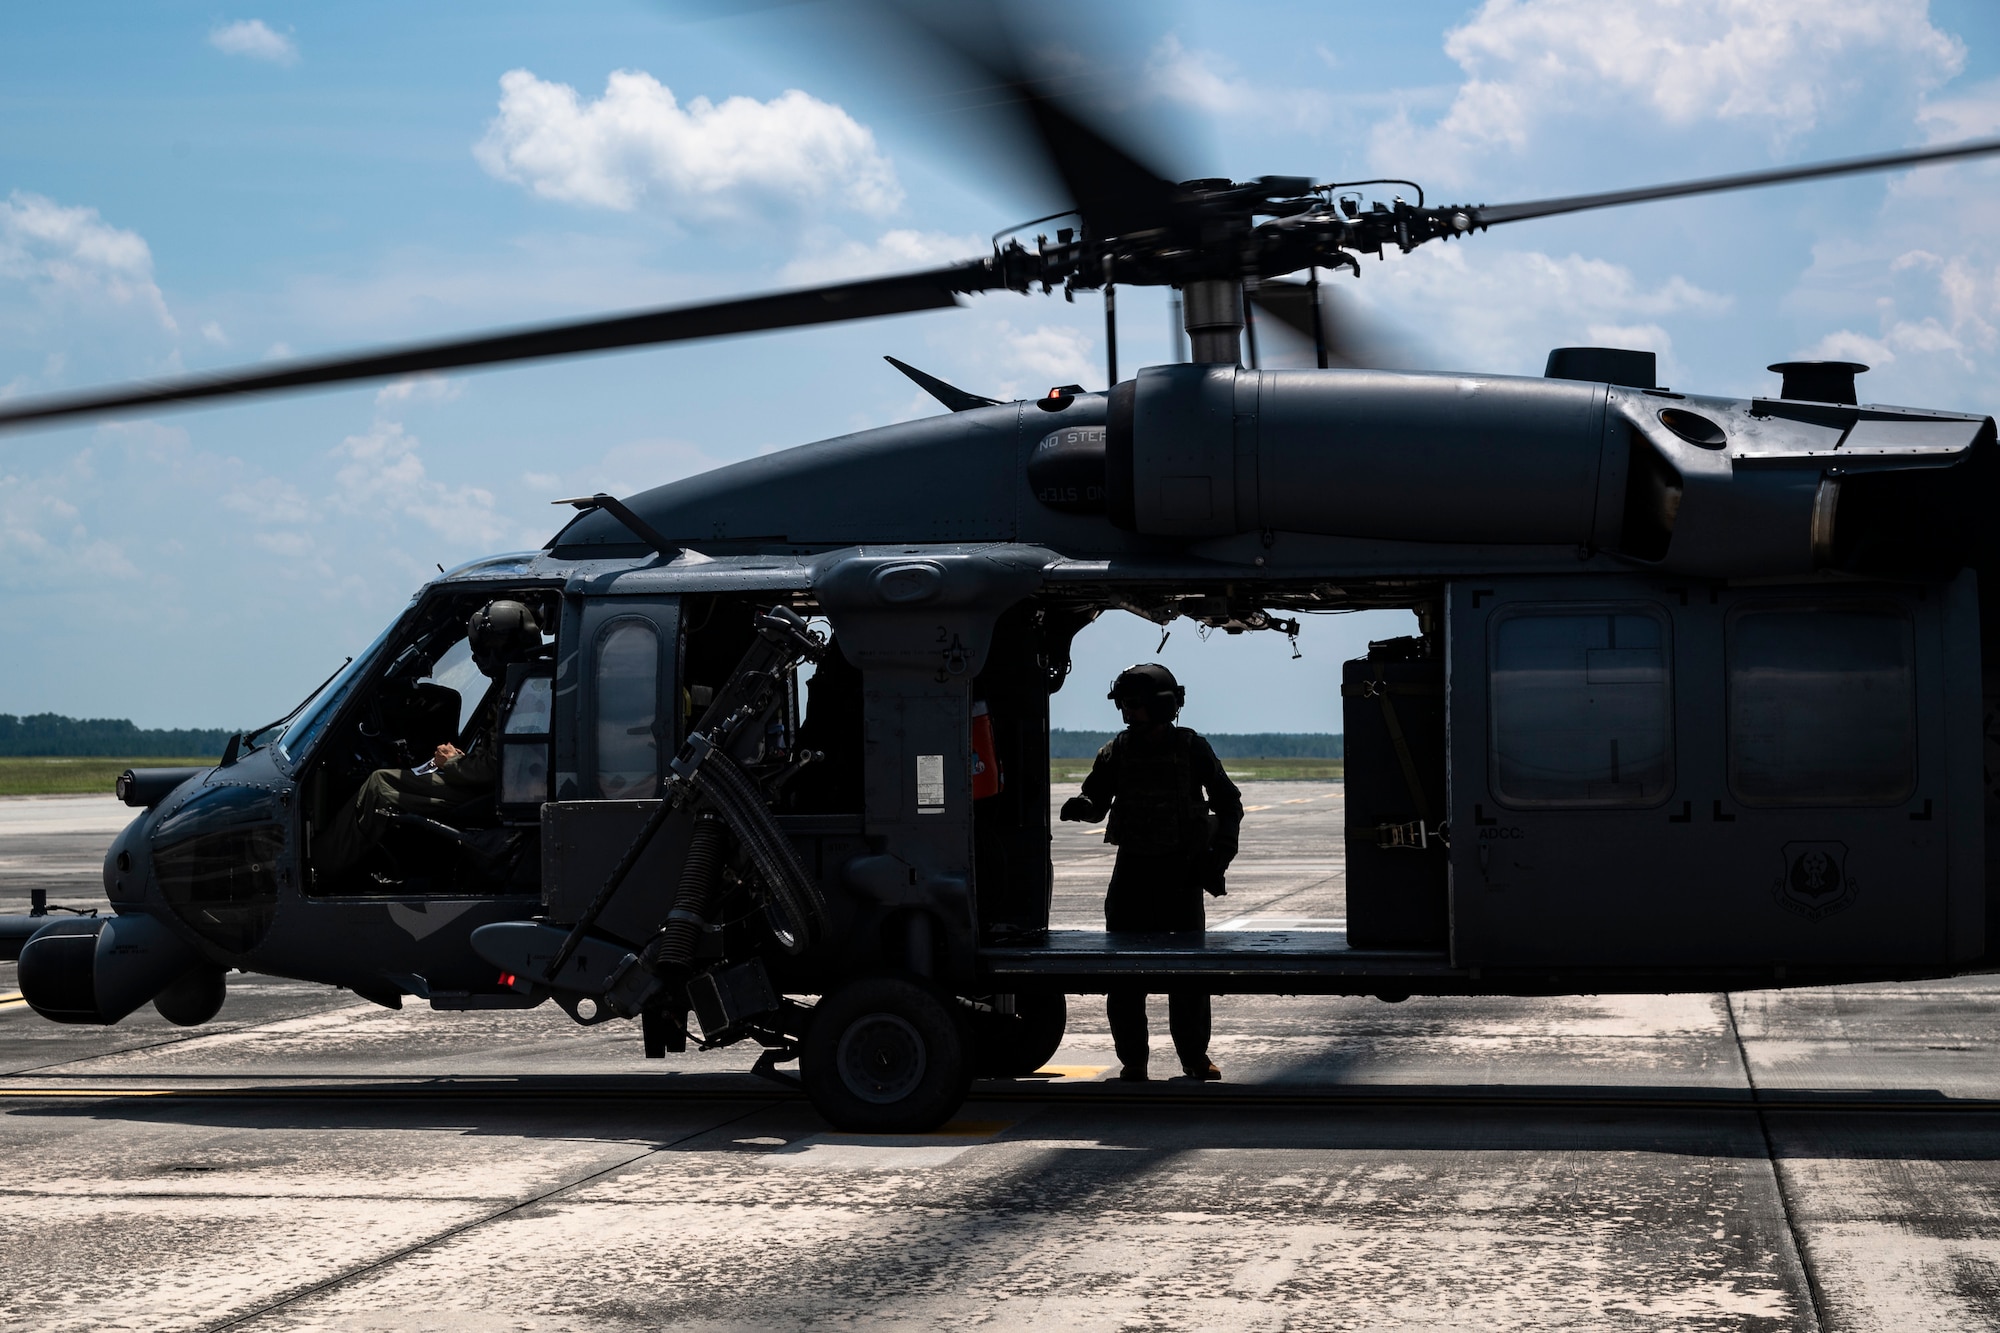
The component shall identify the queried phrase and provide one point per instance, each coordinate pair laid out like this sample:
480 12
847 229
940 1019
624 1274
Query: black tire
1017 1044
885 1055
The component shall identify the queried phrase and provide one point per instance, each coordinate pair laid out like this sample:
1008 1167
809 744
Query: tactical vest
1156 808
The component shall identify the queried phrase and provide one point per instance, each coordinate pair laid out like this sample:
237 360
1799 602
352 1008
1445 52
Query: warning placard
930 784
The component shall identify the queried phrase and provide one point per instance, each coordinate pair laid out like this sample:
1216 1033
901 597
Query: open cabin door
1393 719
626 702
1682 775
628 697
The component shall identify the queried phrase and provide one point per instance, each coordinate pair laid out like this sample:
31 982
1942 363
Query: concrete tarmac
1815 1159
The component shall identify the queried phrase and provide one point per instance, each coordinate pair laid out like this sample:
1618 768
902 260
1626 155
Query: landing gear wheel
885 1056
1017 1044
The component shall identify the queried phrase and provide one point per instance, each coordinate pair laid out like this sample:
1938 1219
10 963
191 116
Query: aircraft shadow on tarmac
1882 1124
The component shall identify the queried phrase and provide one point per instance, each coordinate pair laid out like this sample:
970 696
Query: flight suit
357 827
1175 819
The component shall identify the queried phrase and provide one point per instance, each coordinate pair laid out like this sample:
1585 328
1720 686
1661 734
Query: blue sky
183 187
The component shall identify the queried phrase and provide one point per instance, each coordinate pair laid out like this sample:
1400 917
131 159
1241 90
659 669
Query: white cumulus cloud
1036 360
269 500
1503 310
45 534
72 255
1778 64
1914 289
253 38
893 252
637 144
419 389
1204 81
381 473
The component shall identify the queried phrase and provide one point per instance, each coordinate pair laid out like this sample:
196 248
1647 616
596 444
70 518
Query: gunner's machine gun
718 790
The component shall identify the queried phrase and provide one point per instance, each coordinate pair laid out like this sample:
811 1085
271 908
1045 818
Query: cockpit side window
456 671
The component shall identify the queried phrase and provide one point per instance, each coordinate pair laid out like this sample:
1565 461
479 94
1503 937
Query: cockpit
435 699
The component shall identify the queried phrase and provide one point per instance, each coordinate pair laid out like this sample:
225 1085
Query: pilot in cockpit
503 631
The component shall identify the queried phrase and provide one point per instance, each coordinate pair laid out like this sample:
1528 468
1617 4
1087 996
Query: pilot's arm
1098 789
479 767
1226 801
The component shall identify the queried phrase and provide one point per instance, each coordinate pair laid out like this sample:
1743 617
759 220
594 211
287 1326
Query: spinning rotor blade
1486 216
1290 305
1108 177
870 299
1116 193
1352 341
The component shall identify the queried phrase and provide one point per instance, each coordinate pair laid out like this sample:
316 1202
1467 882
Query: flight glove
1215 870
1077 810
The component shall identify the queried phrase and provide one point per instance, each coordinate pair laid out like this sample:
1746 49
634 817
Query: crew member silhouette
1175 817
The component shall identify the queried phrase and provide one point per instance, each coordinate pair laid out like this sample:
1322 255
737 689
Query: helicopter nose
124 866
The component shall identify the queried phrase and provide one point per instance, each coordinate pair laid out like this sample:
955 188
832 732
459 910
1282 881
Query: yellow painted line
13 1004
970 1129
1073 1071
1299 800
1248 808
10 997
88 1092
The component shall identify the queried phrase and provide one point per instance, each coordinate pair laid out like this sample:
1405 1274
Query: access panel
1660 774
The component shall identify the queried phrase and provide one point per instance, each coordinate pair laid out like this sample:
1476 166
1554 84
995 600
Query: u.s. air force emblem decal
1817 882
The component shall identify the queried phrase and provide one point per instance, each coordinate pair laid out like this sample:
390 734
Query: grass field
59 777
1243 770
65 777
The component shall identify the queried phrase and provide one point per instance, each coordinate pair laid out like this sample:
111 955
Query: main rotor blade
1116 193
1107 176
1352 341
1486 216
869 299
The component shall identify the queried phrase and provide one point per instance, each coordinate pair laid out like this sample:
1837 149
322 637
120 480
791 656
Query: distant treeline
103 737
1250 745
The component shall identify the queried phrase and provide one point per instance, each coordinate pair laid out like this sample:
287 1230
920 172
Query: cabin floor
1777 1160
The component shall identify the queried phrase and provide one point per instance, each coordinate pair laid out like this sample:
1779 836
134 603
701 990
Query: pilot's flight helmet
500 632
1151 686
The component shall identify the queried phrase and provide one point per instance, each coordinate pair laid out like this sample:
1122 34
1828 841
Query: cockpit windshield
318 710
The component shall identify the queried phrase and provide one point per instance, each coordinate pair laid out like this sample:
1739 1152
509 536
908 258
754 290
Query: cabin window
1579 707
628 710
1822 705
524 748
534 706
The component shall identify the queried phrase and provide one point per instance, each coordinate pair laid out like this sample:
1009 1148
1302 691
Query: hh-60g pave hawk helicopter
1698 700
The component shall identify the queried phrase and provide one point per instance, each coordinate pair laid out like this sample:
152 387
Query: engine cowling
1699 485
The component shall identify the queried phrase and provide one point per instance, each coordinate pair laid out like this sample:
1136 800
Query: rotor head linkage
1213 310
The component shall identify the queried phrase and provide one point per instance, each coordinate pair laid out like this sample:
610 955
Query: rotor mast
1212 309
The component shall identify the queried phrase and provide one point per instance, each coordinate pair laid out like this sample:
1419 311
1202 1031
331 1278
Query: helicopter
1697 699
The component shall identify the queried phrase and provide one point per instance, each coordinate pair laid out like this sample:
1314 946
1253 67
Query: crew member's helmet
1152 687
500 632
